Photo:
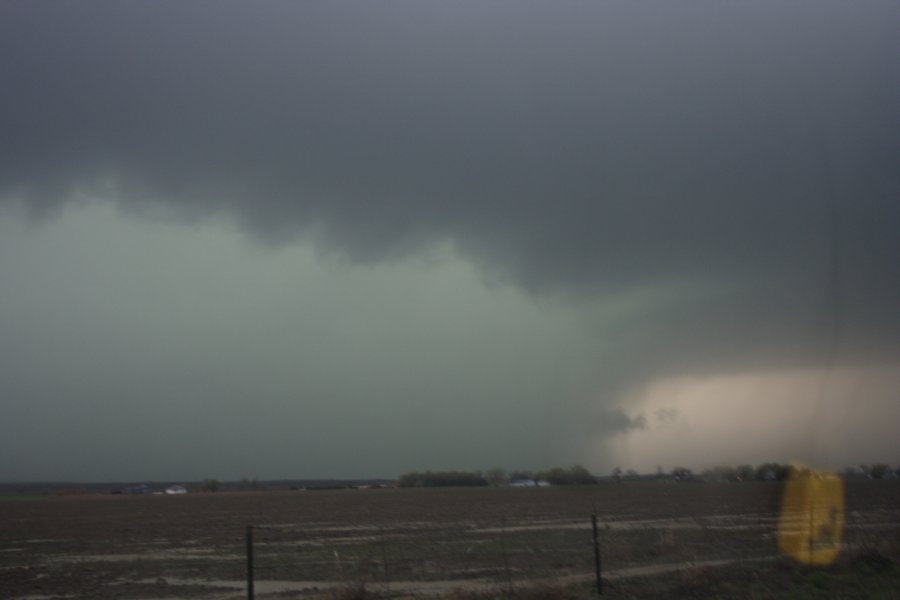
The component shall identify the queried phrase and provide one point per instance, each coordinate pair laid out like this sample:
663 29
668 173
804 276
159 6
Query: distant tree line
772 471
214 485
579 475
442 479
574 475
210 485
252 485
876 471
769 471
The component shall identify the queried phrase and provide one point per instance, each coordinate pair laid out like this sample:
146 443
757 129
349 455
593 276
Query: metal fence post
509 585
384 562
597 554
249 562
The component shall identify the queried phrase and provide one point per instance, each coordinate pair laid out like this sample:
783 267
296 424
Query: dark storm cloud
611 422
730 149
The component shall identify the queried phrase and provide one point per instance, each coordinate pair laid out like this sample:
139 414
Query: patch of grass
533 592
353 591
872 575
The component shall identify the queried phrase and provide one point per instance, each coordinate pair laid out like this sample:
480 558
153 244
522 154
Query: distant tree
772 471
721 473
442 479
580 475
555 475
411 479
210 485
521 475
617 473
247 485
878 471
744 472
682 473
631 474
496 476
574 475
766 472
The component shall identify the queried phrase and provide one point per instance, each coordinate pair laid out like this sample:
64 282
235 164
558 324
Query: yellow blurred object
812 516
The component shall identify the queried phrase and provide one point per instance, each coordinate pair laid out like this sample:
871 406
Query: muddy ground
400 542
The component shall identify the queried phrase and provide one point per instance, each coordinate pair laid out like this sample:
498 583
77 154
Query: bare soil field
404 542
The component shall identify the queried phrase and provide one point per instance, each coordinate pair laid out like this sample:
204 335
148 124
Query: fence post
506 569
249 562
384 562
597 554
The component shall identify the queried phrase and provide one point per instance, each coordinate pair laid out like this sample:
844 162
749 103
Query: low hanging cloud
725 177
615 421
666 414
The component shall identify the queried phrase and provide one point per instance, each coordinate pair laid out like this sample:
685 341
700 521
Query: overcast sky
301 239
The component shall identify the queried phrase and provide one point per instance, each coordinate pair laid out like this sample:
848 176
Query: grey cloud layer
564 147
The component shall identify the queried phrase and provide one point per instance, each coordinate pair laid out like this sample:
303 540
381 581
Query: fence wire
488 554
435 557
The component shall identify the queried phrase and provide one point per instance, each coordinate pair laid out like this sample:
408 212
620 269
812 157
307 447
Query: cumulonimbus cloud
744 156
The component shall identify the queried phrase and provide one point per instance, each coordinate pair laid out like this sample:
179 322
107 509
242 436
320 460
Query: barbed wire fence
433 558
437 558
